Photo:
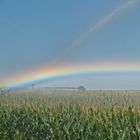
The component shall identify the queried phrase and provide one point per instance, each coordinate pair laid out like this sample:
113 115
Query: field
70 115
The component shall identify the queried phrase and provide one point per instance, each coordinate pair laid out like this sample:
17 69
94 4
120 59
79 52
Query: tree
81 88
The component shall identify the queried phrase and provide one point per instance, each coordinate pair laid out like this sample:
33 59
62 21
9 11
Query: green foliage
41 116
81 88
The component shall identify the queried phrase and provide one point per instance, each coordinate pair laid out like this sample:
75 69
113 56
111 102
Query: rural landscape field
70 115
70 70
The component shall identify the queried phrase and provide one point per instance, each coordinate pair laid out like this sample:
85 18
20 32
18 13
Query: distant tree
3 90
33 85
81 88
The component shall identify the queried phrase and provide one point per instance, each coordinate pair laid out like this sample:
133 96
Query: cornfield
70 115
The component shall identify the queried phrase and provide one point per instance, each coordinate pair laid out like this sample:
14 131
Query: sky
34 33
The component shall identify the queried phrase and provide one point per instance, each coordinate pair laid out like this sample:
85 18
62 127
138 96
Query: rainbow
55 71
49 73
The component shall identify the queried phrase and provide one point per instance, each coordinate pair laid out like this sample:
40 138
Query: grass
70 115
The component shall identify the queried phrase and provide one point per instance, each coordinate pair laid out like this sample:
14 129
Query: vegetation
81 88
70 115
